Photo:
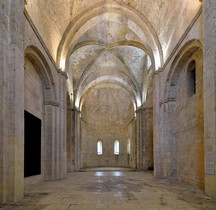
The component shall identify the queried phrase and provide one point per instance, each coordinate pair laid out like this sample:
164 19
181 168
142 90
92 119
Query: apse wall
107 115
90 137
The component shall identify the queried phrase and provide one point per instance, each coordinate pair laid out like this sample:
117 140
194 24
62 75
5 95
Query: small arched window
191 78
99 147
116 147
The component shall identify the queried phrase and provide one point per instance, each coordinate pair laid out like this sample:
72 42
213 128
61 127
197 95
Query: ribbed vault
113 42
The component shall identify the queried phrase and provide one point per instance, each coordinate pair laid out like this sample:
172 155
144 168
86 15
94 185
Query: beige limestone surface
52 18
116 190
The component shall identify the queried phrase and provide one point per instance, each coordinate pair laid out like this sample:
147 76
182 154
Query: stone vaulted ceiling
111 42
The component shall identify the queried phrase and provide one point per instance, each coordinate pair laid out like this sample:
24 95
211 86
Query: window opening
99 147
191 77
116 147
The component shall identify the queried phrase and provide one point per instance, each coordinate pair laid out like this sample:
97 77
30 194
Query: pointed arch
44 71
176 104
74 29
37 58
186 51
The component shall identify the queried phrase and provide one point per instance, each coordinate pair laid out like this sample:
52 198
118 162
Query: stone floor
113 190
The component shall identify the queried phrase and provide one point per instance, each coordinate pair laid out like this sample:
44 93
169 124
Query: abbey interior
107 92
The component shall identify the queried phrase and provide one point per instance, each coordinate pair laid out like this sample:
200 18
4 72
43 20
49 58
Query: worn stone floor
113 190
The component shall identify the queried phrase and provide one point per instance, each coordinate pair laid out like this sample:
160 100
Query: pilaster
209 87
11 100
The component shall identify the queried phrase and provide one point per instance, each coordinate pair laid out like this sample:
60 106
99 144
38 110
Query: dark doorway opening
32 145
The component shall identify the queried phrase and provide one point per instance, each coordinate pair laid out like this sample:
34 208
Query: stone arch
38 60
133 43
134 94
186 51
70 133
44 71
112 49
98 9
94 60
183 118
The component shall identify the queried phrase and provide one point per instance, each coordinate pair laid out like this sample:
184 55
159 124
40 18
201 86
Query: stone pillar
50 138
139 138
55 135
11 100
168 131
209 89
62 152
144 138
70 139
77 140
157 131
147 138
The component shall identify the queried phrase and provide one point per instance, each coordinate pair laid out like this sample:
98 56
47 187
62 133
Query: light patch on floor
111 173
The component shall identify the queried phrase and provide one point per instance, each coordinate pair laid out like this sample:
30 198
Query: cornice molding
143 108
51 103
167 101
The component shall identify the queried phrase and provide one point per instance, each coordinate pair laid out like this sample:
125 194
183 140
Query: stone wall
209 27
34 104
107 114
54 102
189 126
42 93
178 119
144 138
91 135
11 100
70 136
34 99
147 139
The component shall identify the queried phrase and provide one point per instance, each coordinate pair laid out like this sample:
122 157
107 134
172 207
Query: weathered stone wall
34 103
70 137
209 27
144 138
91 135
189 126
54 102
107 115
147 139
34 99
178 121
11 100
